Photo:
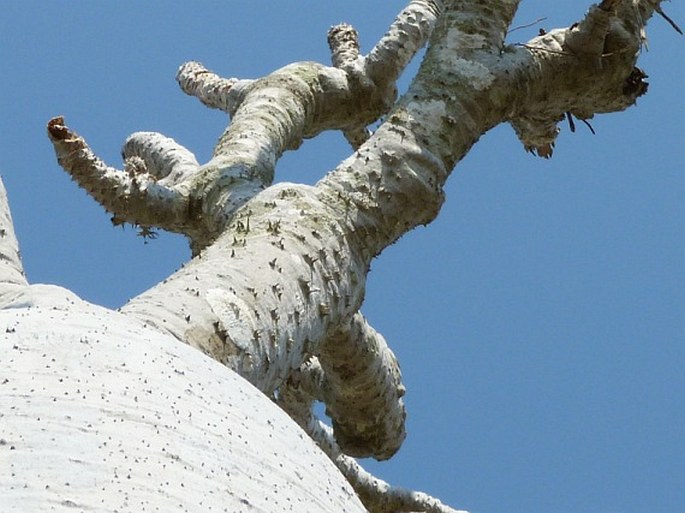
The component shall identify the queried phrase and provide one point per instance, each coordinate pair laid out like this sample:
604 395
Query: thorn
669 20
571 124
528 25
589 126
147 233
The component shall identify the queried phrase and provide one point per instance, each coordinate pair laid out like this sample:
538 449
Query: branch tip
343 40
57 130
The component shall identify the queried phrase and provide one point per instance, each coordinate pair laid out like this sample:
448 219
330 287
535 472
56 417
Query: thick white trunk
100 413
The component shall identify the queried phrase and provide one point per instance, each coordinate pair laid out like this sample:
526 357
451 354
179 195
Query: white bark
277 279
12 279
100 413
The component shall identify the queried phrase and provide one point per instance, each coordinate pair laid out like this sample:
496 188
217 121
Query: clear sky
539 321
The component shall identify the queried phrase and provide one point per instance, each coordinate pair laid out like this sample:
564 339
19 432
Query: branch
382 67
377 495
296 398
12 276
278 112
405 37
367 83
357 377
599 52
343 41
162 156
362 391
588 36
212 90
161 185
134 195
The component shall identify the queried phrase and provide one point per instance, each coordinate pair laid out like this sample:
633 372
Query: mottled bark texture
353 361
278 273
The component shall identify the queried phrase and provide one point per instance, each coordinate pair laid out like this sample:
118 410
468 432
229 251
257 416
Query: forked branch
137 195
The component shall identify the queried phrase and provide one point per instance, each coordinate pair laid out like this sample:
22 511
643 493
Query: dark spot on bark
635 85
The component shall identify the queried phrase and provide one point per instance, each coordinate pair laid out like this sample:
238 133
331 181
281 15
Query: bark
358 378
274 289
12 278
100 413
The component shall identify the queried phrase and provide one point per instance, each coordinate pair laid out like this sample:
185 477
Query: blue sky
539 320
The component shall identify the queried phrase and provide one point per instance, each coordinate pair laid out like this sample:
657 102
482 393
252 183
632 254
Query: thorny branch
388 58
138 194
598 50
358 378
296 398
363 391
